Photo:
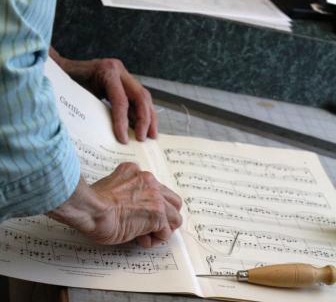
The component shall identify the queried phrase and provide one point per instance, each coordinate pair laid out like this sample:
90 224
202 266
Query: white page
40 249
257 12
280 201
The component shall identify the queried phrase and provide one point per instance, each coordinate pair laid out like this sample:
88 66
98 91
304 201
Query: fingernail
123 139
142 137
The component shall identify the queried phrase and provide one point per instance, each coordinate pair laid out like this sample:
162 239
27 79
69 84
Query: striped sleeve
39 168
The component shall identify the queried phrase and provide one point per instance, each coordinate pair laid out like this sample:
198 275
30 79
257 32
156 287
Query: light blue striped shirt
39 168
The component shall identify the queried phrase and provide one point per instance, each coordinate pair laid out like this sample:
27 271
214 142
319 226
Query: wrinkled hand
108 78
132 204
140 207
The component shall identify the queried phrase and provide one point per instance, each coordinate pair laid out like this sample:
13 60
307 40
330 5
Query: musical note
223 266
41 222
238 165
128 258
223 236
251 191
97 163
253 213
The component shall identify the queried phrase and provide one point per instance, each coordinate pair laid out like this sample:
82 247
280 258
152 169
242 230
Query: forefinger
146 120
116 95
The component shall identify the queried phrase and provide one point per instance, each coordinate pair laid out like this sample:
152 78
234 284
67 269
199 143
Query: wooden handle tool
289 275
286 275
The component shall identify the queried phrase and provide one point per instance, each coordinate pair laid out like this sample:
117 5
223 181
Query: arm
39 168
108 78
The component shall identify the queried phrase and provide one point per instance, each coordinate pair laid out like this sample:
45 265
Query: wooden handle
292 275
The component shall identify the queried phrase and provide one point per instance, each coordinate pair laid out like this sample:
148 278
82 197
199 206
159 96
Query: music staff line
250 190
239 165
103 161
223 236
252 213
42 223
91 151
218 266
229 266
128 258
97 164
89 176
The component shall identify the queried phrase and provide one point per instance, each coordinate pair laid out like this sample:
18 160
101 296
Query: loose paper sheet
257 12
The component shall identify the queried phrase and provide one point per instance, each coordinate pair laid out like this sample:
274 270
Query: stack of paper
258 12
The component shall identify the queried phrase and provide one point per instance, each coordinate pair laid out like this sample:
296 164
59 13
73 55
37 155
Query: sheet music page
40 249
247 206
257 12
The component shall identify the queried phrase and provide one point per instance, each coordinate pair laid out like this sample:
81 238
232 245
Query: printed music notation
128 258
105 154
224 236
97 164
253 213
90 176
41 222
239 165
251 191
228 266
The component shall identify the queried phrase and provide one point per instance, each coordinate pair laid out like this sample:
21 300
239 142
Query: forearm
81 210
39 168
61 61
80 71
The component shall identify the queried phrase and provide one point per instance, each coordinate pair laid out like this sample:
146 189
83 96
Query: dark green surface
205 51
319 30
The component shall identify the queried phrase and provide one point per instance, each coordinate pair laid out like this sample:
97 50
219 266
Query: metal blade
228 275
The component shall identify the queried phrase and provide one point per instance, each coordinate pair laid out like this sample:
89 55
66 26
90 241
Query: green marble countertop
295 67
314 30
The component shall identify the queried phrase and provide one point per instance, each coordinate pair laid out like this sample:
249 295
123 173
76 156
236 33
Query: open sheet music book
279 202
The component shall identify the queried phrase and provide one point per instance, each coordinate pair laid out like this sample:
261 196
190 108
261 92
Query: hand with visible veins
108 78
128 204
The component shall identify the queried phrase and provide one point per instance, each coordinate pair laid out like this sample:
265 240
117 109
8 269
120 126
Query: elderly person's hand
108 78
125 205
